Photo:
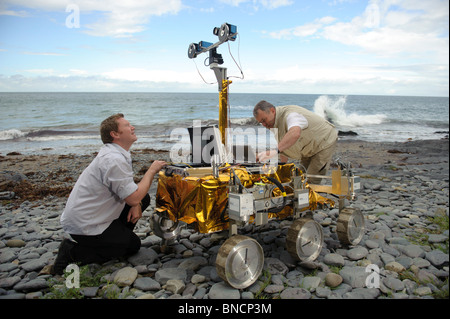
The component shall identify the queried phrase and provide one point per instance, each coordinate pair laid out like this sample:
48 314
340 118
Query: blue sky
380 47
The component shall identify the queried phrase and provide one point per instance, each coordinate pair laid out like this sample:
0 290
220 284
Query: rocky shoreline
404 198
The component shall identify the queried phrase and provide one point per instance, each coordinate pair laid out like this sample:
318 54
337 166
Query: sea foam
334 111
11 134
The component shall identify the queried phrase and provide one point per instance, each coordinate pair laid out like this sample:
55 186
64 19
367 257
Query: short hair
109 125
263 106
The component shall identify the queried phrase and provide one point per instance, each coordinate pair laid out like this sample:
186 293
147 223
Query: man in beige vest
301 135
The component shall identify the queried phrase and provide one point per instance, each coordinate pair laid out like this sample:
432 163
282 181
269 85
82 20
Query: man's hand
145 183
157 166
134 214
266 155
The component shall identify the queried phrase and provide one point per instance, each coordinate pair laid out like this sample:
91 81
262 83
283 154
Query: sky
377 47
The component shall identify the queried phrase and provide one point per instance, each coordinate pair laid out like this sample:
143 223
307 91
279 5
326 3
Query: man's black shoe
63 258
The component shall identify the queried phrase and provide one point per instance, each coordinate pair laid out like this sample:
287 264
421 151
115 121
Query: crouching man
105 203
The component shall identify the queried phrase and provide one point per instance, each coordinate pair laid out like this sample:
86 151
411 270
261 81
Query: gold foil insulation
203 200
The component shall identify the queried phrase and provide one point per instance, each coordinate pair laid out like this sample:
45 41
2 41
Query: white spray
333 110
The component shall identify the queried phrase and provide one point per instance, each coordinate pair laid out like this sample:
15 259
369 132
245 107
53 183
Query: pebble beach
404 198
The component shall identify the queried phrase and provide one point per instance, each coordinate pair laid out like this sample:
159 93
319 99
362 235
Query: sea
68 123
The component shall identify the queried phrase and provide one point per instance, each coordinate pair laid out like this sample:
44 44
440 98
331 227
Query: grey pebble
35 264
393 283
412 251
437 258
146 283
334 260
222 290
295 293
165 274
31 285
143 257
272 289
275 266
357 253
354 276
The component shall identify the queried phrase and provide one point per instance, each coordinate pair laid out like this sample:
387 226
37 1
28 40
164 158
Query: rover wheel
304 239
350 226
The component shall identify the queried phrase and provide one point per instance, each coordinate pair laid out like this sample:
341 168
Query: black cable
281 187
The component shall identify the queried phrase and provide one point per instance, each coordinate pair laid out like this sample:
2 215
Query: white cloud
234 3
125 18
40 71
208 10
317 74
386 28
273 4
20 13
268 4
78 72
305 30
119 18
96 83
349 78
142 75
408 80
410 36
43 53
409 27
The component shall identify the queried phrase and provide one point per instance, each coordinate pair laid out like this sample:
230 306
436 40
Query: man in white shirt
105 203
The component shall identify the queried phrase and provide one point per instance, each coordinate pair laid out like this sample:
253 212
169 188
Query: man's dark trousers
118 240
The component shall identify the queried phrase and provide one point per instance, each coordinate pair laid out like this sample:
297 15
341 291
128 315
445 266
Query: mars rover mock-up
223 187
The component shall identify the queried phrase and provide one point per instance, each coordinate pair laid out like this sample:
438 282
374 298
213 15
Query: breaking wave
244 121
45 135
334 111
11 134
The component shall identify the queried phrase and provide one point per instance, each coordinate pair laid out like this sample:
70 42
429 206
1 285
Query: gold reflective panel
203 200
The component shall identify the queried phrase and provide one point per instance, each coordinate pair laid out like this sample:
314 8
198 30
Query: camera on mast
226 32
